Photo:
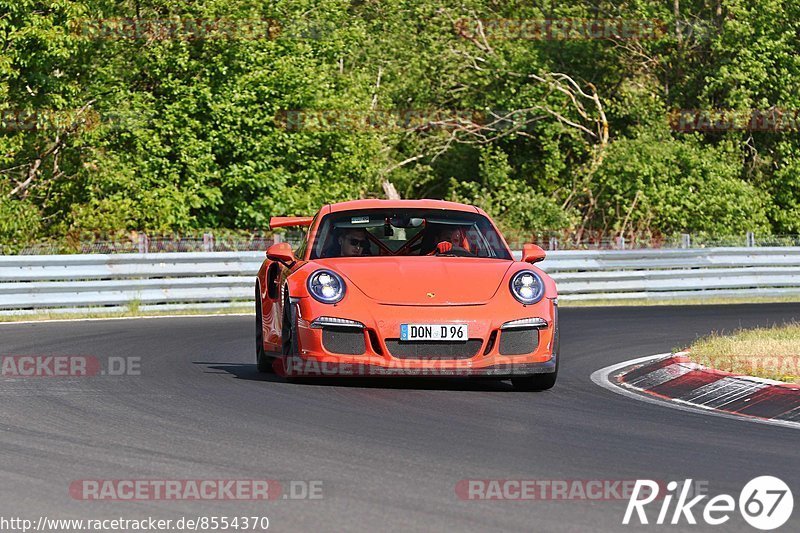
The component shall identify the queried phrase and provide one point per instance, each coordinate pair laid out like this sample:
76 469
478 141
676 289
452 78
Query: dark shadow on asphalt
240 371
249 372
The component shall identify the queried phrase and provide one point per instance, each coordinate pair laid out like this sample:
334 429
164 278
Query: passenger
354 242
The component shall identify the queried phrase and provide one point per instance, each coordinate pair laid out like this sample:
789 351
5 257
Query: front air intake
343 340
519 341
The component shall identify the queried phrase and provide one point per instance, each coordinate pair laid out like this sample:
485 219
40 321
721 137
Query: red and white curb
673 380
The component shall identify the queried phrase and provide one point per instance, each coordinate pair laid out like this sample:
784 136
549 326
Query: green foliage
657 183
18 221
184 132
517 207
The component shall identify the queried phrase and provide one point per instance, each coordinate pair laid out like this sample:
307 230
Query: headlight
527 286
326 286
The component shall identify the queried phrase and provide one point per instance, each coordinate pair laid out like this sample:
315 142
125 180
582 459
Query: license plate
434 332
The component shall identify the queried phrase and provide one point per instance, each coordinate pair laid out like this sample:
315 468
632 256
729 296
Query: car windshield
407 232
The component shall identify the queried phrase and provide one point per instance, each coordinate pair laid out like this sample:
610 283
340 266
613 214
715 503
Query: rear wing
283 222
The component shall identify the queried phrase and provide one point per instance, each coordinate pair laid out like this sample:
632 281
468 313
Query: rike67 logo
765 503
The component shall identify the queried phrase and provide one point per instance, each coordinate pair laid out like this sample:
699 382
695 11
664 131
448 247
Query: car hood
423 280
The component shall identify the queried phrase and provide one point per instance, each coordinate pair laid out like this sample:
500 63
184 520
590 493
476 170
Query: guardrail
114 282
669 274
196 280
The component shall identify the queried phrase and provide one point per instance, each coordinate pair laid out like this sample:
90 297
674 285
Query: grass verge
772 353
133 309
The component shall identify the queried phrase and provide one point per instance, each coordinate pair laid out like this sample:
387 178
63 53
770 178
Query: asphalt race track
389 453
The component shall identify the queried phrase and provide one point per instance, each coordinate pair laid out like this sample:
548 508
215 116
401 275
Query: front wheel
289 331
263 362
537 382
289 342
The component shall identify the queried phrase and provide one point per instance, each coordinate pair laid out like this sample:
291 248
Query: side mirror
282 253
532 253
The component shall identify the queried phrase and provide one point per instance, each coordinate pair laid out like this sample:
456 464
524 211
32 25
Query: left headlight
326 286
527 287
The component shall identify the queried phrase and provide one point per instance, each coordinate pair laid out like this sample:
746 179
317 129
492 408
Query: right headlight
326 286
527 287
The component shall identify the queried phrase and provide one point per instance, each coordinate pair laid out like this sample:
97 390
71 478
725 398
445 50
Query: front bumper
377 350
312 367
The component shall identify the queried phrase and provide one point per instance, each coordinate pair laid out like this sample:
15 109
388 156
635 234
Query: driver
354 242
453 237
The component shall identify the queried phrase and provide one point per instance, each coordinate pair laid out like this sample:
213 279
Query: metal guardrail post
751 239
686 240
208 242
553 243
144 243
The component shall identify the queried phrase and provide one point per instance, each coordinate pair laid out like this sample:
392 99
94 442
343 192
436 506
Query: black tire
289 331
263 361
536 382
540 382
289 344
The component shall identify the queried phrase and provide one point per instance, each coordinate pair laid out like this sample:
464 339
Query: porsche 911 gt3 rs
405 288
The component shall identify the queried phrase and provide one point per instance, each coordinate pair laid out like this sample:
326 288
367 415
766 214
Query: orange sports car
405 288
